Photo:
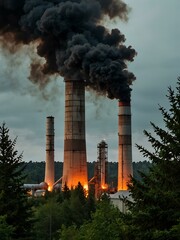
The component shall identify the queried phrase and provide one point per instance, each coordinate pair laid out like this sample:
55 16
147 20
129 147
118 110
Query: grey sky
153 30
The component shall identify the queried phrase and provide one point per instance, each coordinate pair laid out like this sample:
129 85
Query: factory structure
101 166
101 170
124 145
49 167
75 159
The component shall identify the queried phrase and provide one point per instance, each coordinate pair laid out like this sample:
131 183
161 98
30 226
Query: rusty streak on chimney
75 162
125 145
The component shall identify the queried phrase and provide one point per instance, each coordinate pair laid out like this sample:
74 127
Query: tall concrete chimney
75 162
125 145
49 168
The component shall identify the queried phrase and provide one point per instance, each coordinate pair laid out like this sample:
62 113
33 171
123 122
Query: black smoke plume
72 40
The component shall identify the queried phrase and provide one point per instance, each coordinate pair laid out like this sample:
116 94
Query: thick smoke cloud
71 38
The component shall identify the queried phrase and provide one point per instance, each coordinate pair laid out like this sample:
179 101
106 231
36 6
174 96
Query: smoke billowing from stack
49 167
75 163
71 38
125 145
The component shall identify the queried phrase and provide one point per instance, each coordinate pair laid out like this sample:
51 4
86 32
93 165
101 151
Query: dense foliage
13 199
61 209
6 230
156 207
107 222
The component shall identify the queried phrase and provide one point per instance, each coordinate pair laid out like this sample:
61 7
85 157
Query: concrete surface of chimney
75 162
125 145
49 167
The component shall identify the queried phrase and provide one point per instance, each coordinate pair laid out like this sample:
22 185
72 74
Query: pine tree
156 207
5 229
106 224
13 200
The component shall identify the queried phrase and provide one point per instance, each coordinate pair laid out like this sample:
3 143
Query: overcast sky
153 30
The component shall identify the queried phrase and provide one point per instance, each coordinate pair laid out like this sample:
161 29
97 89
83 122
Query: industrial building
75 160
118 199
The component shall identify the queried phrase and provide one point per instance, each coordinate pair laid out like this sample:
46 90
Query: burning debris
72 40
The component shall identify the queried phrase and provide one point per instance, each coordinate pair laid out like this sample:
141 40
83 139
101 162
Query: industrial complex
75 159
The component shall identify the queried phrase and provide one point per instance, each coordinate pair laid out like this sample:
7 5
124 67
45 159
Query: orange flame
50 188
104 186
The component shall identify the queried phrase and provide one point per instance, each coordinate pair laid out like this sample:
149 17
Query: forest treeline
35 171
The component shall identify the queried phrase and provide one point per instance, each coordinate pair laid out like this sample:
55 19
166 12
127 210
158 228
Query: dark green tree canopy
156 207
13 199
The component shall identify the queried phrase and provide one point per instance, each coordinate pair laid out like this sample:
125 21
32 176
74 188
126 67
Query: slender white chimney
125 145
49 168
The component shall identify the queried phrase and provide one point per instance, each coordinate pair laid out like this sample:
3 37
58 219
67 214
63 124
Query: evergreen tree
66 192
156 207
13 200
5 229
47 219
106 223
78 205
91 204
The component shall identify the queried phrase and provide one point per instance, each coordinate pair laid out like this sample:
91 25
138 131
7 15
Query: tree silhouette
13 200
156 207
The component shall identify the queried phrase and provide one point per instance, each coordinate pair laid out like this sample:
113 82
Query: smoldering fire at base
72 41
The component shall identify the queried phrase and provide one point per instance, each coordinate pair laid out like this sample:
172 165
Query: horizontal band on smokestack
74 145
121 103
125 140
74 80
124 119
125 111
49 148
50 133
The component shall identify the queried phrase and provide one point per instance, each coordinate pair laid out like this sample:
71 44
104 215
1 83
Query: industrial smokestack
75 163
125 146
49 168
